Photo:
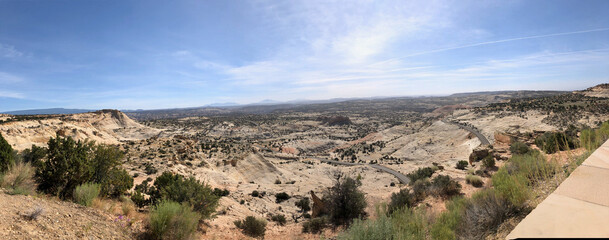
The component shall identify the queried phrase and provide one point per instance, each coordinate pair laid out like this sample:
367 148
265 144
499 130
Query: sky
150 54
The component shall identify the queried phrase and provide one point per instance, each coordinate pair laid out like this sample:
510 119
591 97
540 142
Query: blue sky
161 54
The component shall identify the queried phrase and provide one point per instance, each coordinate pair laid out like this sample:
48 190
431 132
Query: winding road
482 138
401 177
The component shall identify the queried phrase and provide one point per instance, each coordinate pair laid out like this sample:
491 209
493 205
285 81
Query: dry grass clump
474 180
19 179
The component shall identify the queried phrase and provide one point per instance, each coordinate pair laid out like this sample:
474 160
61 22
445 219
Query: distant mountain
224 104
48 111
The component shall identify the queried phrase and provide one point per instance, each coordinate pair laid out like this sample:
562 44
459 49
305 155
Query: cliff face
105 126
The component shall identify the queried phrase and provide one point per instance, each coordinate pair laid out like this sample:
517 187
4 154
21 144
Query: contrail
493 42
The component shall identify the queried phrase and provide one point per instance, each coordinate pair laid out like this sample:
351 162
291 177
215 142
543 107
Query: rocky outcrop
104 126
318 205
480 153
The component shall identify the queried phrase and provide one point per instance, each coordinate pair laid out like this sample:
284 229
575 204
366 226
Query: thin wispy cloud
9 51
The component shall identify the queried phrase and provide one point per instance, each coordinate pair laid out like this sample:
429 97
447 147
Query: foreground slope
58 220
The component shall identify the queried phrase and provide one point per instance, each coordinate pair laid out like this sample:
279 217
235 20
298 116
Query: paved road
401 177
482 138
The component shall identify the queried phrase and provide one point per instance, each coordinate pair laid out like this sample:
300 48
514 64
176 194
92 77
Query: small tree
6 155
462 164
304 205
401 199
177 188
345 201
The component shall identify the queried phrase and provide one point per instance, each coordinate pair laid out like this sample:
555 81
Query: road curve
482 138
401 177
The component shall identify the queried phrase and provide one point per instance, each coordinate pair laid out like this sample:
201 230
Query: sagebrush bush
19 179
279 218
171 220
551 142
445 187
380 228
462 164
488 162
513 187
445 226
484 213
252 226
180 189
421 189
409 223
314 225
474 181
280 197
533 166
401 199
519 148
85 194
420 173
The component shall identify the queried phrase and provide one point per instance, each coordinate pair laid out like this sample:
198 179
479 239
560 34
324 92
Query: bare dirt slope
106 126
601 90
58 220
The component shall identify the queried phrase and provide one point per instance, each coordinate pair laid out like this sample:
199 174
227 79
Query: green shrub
474 181
445 187
420 189
279 218
117 182
255 193
315 225
380 228
488 162
462 164
7 158
445 226
280 197
533 166
344 201
401 199
420 173
71 163
33 155
221 192
177 188
170 220
252 227
138 198
513 187
484 213
409 224
85 194
519 148
19 179
304 204
551 142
